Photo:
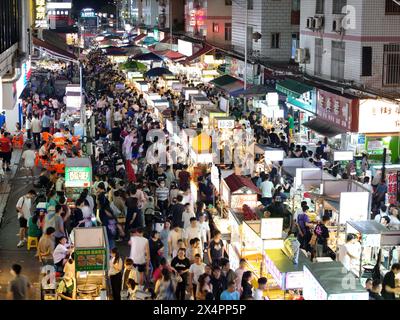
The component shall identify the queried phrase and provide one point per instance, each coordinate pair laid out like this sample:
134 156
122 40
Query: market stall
91 259
325 281
373 237
78 176
238 191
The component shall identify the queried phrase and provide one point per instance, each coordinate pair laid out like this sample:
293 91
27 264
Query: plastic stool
32 242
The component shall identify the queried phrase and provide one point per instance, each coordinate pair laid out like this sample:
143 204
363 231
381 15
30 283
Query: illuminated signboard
78 177
379 116
40 18
312 289
196 17
273 270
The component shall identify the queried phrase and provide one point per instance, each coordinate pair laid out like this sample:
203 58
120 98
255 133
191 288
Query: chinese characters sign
196 17
335 109
273 270
78 177
379 116
40 18
312 290
391 179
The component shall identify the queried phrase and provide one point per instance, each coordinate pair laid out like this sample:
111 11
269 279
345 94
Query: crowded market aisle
15 186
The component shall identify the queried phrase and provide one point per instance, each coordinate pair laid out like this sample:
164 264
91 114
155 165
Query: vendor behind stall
67 287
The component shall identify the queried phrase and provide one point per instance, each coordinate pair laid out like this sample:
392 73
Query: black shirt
219 285
154 246
116 134
180 265
322 233
375 296
388 280
247 290
176 211
216 249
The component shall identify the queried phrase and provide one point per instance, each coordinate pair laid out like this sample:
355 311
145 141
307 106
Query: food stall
342 200
237 191
141 86
330 281
91 262
78 176
187 91
373 236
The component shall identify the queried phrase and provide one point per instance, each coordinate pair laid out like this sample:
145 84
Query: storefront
78 176
10 94
379 120
302 99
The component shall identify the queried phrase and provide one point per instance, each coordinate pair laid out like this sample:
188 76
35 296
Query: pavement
14 186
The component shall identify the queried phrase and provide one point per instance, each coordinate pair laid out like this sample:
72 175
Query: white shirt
138 249
379 216
266 189
174 237
26 204
368 186
350 263
197 270
186 218
29 158
191 233
204 229
117 116
60 252
258 294
36 125
111 270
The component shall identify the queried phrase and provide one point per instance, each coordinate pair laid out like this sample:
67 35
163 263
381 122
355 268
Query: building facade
276 21
59 14
15 50
210 20
354 41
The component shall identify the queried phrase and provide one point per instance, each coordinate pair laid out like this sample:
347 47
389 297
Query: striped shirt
162 193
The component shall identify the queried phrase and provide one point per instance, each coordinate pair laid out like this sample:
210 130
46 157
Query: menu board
312 289
90 259
78 177
294 280
271 228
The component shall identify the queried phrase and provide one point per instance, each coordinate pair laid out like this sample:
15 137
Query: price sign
78 177
226 124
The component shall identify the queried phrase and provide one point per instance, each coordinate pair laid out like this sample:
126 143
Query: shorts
23 223
7 157
140 267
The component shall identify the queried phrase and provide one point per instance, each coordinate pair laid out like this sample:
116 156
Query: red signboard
391 179
337 109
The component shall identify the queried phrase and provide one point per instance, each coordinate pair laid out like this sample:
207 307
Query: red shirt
5 144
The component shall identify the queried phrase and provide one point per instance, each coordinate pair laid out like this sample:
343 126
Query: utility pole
245 53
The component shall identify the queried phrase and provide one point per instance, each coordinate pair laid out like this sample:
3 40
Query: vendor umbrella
148 41
158 72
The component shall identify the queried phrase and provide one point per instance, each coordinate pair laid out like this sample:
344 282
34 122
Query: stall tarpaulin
331 281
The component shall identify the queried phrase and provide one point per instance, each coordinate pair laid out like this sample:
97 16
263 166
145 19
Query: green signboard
78 177
91 259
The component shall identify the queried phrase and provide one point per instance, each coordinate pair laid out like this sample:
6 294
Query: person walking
36 130
182 265
23 207
19 287
115 274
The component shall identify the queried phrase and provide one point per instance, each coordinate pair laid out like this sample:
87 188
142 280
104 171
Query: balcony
295 18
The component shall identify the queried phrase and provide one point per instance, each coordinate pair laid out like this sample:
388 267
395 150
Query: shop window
320 5
391 64
338 60
215 27
391 7
228 31
366 61
338 6
275 40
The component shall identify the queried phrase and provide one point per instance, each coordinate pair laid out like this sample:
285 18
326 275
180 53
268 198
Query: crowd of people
176 250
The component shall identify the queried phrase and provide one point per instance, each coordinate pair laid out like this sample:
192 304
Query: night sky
95 4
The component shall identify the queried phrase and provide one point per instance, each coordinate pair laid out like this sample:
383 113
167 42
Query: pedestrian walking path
10 191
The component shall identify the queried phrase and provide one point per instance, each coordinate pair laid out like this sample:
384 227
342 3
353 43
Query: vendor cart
78 176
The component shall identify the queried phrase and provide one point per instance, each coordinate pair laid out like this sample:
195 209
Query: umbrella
148 57
149 41
157 72
132 65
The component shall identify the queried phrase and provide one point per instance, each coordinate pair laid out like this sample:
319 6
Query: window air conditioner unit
318 23
310 22
337 24
302 55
